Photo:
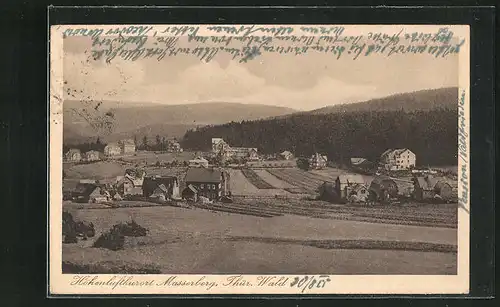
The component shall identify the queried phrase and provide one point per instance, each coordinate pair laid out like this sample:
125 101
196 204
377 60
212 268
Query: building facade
168 183
430 187
198 162
398 159
112 149
209 183
73 155
127 146
286 155
318 161
92 155
346 184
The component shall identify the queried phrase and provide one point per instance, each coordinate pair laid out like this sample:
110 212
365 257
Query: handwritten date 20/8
310 282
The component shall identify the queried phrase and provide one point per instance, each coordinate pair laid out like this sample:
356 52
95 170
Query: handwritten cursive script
248 42
463 138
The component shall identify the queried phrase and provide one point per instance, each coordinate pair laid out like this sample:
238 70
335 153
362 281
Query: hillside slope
152 119
363 131
415 101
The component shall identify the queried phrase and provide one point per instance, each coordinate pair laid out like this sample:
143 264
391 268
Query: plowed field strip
254 179
407 212
309 175
293 180
360 244
352 215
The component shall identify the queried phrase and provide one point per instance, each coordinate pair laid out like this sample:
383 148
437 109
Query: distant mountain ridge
140 119
149 119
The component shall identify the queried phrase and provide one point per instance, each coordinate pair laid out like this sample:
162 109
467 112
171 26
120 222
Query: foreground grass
195 241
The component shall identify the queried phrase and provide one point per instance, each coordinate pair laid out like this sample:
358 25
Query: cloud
297 83
327 91
89 78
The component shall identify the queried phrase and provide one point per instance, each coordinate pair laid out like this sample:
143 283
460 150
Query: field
305 181
151 157
196 241
256 180
269 228
98 170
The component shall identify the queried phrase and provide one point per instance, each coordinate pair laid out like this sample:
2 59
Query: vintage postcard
259 159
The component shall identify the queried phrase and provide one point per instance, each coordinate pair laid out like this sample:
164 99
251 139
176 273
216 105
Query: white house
318 161
198 162
112 149
398 159
286 155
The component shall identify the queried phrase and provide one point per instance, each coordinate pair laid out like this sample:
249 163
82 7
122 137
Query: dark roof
85 188
203 175
351 179
192 188
381 179
162 187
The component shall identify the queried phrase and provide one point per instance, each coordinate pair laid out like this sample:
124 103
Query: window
202 186
213 186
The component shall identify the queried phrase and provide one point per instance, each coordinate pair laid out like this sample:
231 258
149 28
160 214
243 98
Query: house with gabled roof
127 146
112 149
92 155
89 192
73 155
198 162
208 182
346 183
318 161
152 183
286 155
430 187
398 159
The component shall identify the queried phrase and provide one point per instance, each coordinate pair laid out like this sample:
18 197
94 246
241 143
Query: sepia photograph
258 150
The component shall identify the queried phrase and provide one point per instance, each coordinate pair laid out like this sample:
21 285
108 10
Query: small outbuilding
190 193
358 194
345 184
383 188
328 192
429 187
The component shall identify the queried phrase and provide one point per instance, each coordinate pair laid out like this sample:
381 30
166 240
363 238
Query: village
132 200
226 173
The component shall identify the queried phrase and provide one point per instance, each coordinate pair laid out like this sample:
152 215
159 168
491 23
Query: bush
131 229
70 238
112 239
72 229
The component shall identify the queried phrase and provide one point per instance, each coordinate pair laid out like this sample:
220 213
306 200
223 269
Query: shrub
112 239
131 229
71 229
70 238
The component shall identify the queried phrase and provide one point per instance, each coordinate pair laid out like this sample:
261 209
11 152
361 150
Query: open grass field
151 157
197 241
239 184
306 181
98 170
256 180
272 180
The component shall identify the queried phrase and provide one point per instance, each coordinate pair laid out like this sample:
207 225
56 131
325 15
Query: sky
303 82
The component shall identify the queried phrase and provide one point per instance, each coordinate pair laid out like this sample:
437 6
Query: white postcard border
339 284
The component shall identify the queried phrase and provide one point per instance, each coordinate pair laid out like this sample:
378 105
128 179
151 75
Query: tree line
97 145
160 143
431 135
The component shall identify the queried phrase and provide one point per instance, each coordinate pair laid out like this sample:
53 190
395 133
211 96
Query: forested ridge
430 134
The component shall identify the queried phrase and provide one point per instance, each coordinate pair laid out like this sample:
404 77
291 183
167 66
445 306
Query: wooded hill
430 133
